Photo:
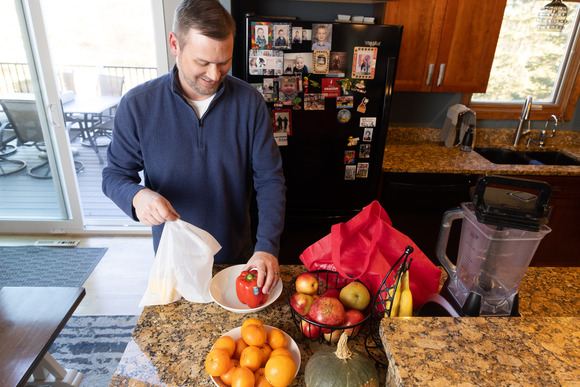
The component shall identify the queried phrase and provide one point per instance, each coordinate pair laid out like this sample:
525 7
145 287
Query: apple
333 336
334 293
353 317
327 311
355 296
301 302
306 283
310 330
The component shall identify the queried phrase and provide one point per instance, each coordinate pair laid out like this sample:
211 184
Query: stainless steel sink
513 157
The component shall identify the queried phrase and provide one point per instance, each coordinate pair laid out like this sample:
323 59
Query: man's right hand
153 209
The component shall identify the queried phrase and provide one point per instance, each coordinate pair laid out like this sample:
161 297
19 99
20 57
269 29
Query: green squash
341 368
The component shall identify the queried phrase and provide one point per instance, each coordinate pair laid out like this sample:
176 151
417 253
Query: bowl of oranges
245 355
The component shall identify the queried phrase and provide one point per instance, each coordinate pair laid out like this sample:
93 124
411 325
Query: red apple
327 311
301 302
352 317
310 330
334 293
355 296
306 283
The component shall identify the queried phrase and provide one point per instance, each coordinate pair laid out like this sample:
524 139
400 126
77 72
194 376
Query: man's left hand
268 270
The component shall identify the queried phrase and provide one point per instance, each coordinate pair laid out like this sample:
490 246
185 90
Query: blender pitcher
501 230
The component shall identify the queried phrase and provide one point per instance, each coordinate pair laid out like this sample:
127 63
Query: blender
500 232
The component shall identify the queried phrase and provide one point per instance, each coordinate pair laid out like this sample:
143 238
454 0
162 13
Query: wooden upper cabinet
447 45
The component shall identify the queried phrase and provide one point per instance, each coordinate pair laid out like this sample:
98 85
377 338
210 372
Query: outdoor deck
23 196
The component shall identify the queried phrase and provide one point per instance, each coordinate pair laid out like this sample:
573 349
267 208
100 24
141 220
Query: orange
260 378
276 339
226 377
266 351
217 362
251 358
280 371
243 377
227 343
254 335
240 345
281 351
252 321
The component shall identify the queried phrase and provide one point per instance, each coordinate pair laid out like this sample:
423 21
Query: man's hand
268 270
153 209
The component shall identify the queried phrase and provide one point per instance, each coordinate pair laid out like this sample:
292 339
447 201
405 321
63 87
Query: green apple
355 296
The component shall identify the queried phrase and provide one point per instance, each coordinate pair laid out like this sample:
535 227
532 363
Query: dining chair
8 166
107 85
110 84
24 121
67 81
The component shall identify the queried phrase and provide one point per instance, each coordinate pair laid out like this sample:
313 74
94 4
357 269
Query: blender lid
524 208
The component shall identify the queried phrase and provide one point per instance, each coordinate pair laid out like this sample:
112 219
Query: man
202 139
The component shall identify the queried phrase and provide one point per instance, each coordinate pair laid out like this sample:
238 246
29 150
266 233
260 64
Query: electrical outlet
56 243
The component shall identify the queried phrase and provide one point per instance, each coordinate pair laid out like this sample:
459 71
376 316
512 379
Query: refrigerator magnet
364 62
362 108
349 172
288 90
368 135
261 35
297 63
352 141
345 85
343 116
344 102
360 87
368 122
364 151
296 35
283 122
362 170
281 35
349 157
321 58
330 87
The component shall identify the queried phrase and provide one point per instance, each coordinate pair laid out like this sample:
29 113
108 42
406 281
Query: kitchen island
170 342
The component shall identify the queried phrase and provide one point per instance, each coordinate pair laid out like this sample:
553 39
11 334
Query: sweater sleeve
121 180
269 185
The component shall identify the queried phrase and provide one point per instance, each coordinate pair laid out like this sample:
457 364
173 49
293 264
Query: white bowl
236 333
369 20
343 17
358 19
222 289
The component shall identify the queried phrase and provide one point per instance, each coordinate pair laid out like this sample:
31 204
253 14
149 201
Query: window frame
563 107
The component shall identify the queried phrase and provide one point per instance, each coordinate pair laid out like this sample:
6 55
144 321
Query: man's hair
208 17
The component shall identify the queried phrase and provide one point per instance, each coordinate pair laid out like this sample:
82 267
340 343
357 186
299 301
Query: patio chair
8 166
24 120
108 85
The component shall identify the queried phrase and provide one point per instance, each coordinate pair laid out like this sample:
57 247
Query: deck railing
15 77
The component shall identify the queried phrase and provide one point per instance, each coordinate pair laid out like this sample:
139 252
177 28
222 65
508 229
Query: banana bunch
402 300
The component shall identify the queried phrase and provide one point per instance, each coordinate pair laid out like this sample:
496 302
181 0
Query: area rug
94 346
47 266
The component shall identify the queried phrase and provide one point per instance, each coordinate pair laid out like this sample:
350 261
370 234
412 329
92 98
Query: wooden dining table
30 320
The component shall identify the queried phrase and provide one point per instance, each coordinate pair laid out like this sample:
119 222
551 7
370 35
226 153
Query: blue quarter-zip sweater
204 166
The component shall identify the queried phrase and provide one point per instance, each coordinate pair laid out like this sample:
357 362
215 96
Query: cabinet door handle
441 72
430 74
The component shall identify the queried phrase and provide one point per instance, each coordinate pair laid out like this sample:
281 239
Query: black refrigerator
328 86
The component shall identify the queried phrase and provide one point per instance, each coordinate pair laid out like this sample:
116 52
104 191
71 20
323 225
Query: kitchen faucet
542 140
525 116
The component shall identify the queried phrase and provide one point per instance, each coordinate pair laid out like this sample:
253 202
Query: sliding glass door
64 65
36 167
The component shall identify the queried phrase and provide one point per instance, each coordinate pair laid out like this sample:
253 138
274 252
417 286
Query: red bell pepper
248 291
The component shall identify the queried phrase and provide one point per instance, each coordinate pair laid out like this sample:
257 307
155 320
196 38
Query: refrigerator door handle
430 74
441 73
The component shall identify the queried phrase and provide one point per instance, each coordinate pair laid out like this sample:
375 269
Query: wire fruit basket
383 303
316 331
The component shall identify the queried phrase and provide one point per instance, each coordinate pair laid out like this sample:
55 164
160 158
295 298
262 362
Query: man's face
203 63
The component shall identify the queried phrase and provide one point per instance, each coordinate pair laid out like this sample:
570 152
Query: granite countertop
170 342
419 150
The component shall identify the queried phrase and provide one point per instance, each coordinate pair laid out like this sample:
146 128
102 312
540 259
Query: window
531 62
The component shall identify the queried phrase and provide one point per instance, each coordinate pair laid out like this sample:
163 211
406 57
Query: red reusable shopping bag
366 247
